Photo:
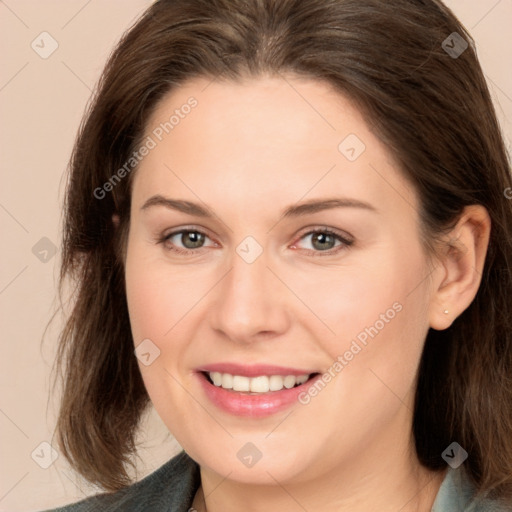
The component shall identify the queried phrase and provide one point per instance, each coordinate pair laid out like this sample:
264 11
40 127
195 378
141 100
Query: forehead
285 115
282 136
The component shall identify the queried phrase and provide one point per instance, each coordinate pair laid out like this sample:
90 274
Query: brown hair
434 113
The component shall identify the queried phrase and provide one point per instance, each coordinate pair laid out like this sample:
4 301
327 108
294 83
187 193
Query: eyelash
345 243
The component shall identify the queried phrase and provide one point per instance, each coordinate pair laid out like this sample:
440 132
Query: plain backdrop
42 99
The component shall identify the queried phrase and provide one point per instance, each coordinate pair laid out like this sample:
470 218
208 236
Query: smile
253 391
260 384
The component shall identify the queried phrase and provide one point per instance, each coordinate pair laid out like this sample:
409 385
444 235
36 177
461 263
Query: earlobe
115 220
460 267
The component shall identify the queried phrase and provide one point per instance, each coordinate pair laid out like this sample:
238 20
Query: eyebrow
296 210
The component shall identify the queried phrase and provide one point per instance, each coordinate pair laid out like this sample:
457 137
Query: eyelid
184 229
325 229
346 240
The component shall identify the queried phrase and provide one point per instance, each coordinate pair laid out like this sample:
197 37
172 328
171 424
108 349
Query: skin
247 151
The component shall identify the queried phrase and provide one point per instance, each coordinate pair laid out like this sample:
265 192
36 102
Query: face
271 235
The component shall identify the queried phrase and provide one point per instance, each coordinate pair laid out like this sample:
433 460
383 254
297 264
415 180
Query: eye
191 240
323 242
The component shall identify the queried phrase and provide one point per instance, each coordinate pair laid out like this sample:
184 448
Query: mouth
254 391
262 384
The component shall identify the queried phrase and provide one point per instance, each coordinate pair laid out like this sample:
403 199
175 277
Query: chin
245 465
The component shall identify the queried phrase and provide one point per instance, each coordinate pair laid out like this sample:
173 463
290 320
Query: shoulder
170 487
457 493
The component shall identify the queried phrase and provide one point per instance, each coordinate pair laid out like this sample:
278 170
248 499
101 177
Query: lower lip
256 406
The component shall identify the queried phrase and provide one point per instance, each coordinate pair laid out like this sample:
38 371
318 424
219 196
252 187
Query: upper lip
253 370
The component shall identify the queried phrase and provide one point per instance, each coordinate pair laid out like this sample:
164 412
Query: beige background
41 104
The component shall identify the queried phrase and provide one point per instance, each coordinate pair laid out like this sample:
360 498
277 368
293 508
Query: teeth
241 383
226 381
262 384
259 384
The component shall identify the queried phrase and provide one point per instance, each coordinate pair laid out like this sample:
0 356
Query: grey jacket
172 488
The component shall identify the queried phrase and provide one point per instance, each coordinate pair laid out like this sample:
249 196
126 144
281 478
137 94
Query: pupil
322 238
195 238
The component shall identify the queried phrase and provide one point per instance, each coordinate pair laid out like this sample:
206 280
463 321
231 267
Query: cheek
156 305
378 321
145 310
353 301
144 293
156 294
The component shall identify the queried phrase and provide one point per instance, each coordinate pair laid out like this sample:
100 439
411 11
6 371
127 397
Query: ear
115 220
460 265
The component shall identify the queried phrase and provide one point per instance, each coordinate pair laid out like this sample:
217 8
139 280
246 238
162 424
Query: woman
289 229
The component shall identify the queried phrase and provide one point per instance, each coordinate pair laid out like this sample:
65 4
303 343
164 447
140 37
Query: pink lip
253 405
254 370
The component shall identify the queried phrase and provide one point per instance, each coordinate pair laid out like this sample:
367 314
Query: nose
250 302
